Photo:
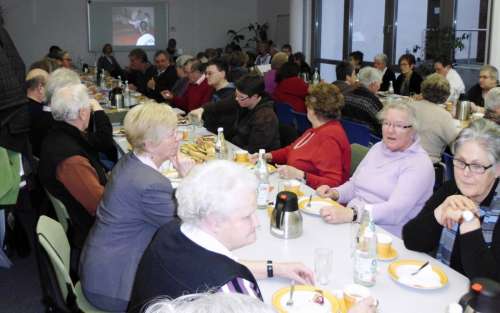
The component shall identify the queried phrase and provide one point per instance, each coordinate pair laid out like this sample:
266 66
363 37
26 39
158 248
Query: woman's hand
336 215
255 156
167 95
367 305
182 164
290 172
325 191
451 210
297 272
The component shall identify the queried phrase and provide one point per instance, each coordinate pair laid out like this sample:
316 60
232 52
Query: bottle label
262 194
365 268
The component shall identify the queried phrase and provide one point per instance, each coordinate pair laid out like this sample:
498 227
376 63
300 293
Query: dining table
393 297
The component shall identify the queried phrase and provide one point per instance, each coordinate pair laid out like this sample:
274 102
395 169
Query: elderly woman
409 81
108 62
394 179
278 60
217 204
291 89
492 105
256 125
322 155
439 130
380 62
67 61
69 164
460 221
136 202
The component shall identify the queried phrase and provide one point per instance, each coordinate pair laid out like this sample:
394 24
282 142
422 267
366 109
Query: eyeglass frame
480 169
396 126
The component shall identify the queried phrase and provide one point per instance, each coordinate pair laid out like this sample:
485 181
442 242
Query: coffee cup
384 243
241 156
354 293
292 185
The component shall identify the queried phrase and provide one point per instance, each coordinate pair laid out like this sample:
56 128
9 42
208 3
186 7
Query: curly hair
326 100
435 88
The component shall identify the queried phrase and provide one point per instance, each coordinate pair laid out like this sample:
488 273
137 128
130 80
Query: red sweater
292 91
323 153
194 97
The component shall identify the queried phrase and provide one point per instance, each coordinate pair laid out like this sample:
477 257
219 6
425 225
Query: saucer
393 254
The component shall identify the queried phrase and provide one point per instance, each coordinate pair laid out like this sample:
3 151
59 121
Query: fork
292 289
309 202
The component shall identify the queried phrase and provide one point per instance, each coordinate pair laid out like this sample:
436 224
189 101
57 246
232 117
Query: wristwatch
270 272
354 214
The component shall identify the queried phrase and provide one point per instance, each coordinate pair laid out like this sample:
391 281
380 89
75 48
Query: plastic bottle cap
477 287
263 151
220 129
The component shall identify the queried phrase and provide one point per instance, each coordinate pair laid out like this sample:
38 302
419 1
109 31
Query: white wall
35 25
268 11
495 36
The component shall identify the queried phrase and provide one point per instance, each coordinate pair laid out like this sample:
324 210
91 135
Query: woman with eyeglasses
393 181
459 223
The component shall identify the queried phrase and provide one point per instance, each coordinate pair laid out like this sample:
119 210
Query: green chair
55 243
61 212
358 152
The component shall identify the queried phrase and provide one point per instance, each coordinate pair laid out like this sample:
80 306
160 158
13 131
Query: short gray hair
492 99
491 70
182 59
403 106
67 102
369 75
484 132
382 57
218 302
60 78
213 187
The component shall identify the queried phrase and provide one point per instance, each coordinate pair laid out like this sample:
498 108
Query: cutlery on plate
292 289
309 202
420 268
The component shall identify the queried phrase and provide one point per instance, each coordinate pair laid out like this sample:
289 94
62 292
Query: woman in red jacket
291 89
322 155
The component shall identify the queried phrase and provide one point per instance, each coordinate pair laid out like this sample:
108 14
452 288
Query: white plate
316 204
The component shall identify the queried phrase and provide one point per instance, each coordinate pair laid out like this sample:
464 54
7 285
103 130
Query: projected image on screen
133 26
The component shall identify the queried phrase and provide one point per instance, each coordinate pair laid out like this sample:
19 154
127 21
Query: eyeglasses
398 127
241 97
474 168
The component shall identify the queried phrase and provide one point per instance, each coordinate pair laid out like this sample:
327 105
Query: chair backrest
53 239
358 152
374 139
288 134
448 161
303 123
61 212
357 132
284 113
440 172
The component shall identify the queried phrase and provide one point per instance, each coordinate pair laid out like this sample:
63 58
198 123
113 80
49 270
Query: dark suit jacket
415 82
164 81
113 68
136 202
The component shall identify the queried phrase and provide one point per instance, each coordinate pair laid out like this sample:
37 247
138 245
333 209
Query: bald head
35 84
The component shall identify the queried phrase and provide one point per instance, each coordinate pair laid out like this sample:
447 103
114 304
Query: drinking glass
323 263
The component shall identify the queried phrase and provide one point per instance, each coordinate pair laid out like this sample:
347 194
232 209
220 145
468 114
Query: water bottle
220 144
102 84
263 176
365 255
126 95
315 78
390 91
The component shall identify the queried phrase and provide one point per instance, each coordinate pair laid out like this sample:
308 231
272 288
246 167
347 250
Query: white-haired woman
229 303
136 202
460 220
492 105
217 204
393 180
69 165
362 104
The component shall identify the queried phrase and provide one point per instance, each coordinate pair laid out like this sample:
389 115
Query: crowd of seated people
133 229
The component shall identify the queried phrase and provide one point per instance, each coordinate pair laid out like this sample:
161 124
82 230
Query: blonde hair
148 122
435 88
278 60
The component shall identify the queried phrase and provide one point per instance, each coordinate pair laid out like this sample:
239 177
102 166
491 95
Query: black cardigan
470 255
415 82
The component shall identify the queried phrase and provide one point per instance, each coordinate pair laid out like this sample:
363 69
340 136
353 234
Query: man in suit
380 63
165 77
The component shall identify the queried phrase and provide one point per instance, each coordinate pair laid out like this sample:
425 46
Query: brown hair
326 100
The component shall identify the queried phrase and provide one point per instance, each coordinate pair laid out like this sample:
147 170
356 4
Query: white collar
146 160
200 80
205 240
46 108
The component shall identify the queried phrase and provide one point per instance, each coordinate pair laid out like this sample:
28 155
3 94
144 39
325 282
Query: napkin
426 278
